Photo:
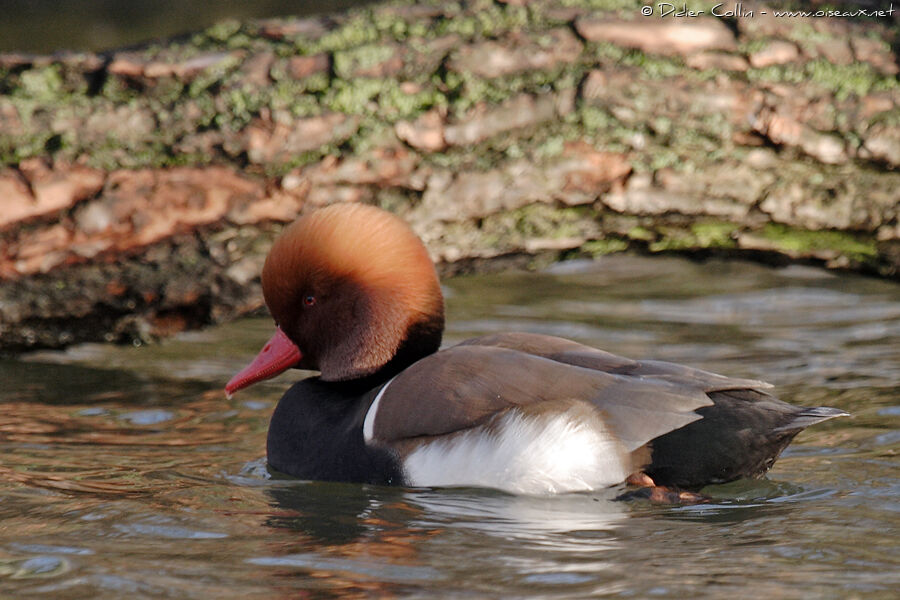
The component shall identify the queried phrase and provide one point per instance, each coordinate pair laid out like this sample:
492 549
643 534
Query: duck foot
659 494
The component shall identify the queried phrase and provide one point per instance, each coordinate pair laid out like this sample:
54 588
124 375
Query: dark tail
811 416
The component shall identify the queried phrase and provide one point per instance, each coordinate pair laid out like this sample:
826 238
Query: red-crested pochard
356 297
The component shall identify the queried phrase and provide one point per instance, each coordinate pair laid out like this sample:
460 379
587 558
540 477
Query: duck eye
309 300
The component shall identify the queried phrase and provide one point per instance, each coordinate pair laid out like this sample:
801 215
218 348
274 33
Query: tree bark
140 188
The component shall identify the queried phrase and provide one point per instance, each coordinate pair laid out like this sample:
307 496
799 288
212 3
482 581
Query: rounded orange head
352 289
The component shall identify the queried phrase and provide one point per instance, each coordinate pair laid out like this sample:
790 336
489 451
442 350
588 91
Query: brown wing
467 385
573 353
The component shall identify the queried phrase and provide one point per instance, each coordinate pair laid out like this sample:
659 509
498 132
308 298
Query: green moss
651 66
461 158
856 79
230 33
714 234
213 76
348 62
545 139
661 125
790 73
641 233
205 104
672 238
292 96
315 82
386 21
380 96
845 80
183 159
662 158
661 140
111 155
354 97
42 84
605 51
370 135
552 146
14 149
514 151
654 67
808 36
280 169
466 90
487 22
605 246
117 90
545 221
355 32
165 93
223 30
696 236
790 239
394 103
888 118
241 105
751 46
594 118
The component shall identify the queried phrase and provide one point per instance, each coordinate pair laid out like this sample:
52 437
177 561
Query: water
126 473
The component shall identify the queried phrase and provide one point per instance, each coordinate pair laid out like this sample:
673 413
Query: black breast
316 434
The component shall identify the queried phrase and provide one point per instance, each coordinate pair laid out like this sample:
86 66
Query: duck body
356 297
530 413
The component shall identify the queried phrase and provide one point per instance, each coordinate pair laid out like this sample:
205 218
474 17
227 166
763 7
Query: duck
356 297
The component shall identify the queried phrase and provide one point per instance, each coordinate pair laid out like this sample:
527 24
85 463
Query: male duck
356 297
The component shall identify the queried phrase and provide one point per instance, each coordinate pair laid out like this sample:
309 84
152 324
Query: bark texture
140 188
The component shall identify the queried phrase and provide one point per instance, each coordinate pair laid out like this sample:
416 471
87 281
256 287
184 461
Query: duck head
353 293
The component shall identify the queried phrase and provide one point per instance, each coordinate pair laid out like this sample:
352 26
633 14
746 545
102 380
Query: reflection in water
523 517
307 509
560 542
395 535
339 533
126 472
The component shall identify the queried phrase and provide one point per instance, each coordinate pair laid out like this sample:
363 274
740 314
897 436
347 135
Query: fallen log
140 188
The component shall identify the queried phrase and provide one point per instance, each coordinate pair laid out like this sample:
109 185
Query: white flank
543 454
369 423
